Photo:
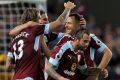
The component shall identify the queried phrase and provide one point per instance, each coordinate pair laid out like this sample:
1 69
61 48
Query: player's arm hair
51 71
62 18
107 55
45 48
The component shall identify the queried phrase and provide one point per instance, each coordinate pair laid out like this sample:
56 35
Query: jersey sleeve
40 29
57 53
60 35
97 43
10 54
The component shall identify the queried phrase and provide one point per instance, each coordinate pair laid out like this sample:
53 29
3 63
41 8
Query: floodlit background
103 19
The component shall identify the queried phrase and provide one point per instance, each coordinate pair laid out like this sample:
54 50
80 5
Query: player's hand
69 5
62 78
83 21
104 72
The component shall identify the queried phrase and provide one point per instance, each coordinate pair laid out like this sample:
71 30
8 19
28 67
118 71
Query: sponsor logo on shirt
70 73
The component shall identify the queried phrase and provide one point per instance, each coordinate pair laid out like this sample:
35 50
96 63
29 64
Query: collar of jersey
68 35
70 45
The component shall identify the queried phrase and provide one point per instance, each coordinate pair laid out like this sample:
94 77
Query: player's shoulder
66 48
95 40
68 45
93 36
64 39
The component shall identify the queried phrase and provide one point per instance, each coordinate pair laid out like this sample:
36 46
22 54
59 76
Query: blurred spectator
3 57
91 23
117 31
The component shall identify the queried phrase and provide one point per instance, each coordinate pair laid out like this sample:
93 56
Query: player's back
26 58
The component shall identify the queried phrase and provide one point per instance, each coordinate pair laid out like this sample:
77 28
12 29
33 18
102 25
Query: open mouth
68 29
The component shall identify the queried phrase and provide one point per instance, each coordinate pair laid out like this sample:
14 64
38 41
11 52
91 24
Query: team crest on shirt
73 67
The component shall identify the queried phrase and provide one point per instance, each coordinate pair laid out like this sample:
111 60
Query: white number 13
20 49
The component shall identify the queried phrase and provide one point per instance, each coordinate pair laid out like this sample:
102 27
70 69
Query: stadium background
102 19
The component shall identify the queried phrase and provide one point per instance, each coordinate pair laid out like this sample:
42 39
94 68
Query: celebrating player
23 48
67 58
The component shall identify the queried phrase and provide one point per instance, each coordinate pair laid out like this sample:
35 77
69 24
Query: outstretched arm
51 71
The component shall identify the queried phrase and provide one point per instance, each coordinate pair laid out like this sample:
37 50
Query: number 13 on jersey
20 45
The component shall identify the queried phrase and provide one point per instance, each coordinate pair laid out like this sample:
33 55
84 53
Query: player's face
70 25
43 19
84 41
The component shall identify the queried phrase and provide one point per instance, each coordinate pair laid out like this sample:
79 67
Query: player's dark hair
30 14
76 16
42 12
79 33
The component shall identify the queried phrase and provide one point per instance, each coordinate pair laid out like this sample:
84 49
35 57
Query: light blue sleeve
101 44
60 35
102 47
10 54
36 43
47 28
55 61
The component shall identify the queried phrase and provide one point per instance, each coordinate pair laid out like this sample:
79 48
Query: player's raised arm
62 18
53 25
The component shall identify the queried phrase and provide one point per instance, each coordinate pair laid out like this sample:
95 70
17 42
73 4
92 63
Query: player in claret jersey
72 24
66 59
94 46
23 44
